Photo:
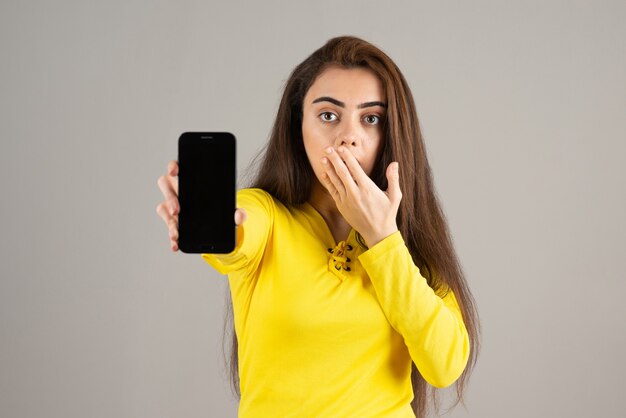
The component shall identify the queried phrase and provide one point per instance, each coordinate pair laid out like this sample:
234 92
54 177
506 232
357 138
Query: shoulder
249 198
255 195
261 199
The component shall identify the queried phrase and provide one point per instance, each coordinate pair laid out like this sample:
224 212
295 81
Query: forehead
350 85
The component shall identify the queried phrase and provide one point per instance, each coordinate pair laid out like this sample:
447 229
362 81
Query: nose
346 141
349 136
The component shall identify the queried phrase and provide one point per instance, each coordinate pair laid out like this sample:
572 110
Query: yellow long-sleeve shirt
330 329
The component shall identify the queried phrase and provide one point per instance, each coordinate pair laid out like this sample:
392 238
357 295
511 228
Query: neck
323 202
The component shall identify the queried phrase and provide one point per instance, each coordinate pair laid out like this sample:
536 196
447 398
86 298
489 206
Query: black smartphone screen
206 192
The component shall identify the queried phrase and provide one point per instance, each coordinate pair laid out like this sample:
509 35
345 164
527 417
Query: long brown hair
285 172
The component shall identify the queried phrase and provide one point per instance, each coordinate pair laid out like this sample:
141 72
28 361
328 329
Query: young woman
348 297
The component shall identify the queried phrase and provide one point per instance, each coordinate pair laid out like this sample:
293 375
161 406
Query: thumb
393 180
240 216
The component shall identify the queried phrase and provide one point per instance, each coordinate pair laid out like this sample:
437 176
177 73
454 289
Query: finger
170 193
240 216
168 219
328 184
172 225
172 171
393 181
332 181
163 211
341 170
355 169
172 168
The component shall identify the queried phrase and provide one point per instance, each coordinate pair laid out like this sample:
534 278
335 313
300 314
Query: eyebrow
342 104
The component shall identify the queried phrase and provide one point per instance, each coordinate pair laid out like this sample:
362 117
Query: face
344 107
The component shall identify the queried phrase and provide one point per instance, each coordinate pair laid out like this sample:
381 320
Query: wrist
374 238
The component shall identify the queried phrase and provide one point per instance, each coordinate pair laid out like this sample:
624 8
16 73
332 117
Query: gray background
523 108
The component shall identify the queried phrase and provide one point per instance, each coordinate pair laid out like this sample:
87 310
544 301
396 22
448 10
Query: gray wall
523 107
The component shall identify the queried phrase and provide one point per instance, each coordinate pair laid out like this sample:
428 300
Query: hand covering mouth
343 161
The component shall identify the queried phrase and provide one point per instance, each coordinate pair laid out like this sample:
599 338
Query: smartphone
206 192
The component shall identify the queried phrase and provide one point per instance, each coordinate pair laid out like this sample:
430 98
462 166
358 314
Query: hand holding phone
206 192
170 208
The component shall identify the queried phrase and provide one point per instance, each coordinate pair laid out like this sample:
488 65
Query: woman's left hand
363 205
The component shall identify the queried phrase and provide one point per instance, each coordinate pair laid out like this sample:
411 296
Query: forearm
432 327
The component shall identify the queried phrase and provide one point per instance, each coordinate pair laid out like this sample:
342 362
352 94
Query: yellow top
327 329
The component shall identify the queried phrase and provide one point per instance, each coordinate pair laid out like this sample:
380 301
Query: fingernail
324 160
341 149
329 150
171 208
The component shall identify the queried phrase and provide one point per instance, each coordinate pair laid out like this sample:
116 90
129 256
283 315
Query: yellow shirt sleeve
252 235
432 327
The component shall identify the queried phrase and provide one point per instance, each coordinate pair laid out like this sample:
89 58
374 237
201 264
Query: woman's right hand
170 207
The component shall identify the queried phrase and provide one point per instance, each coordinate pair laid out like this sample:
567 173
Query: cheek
314 143
306 139
314 155
372 155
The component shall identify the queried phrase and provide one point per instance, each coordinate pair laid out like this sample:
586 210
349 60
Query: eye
328 116
372 119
